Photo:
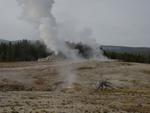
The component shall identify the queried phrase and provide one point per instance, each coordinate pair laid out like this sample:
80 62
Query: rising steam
38 13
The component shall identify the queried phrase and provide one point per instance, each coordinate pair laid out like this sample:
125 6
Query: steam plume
38 13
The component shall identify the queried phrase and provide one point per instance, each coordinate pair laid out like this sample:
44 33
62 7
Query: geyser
55 35
38 13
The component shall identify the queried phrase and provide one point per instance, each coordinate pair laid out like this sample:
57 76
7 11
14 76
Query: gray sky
114 22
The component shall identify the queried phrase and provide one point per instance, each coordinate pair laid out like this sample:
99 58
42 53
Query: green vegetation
128 57
22 51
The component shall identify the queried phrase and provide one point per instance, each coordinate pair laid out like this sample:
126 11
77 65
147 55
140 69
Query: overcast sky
114 22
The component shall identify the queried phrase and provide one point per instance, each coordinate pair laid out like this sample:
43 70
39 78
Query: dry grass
146 72
38 87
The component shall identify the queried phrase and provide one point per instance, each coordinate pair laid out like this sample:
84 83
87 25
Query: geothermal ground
37 87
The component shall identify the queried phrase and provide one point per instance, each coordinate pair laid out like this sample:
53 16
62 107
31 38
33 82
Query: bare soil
38 87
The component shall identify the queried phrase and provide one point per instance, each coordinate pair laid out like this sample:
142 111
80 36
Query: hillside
3 41
123 49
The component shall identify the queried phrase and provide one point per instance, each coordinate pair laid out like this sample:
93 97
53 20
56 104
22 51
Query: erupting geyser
38 12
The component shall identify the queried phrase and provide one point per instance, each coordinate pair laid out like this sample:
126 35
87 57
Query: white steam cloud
38 13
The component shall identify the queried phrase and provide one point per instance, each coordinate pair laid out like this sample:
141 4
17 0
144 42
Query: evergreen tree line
22 50
128 57
25 50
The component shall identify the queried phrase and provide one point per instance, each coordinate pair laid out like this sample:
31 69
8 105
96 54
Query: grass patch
146 72
125 91
136 108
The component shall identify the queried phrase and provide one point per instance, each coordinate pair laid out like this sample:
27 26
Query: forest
26 50
22 50
128 57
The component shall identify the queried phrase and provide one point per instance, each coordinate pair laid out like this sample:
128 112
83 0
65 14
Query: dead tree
103 85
